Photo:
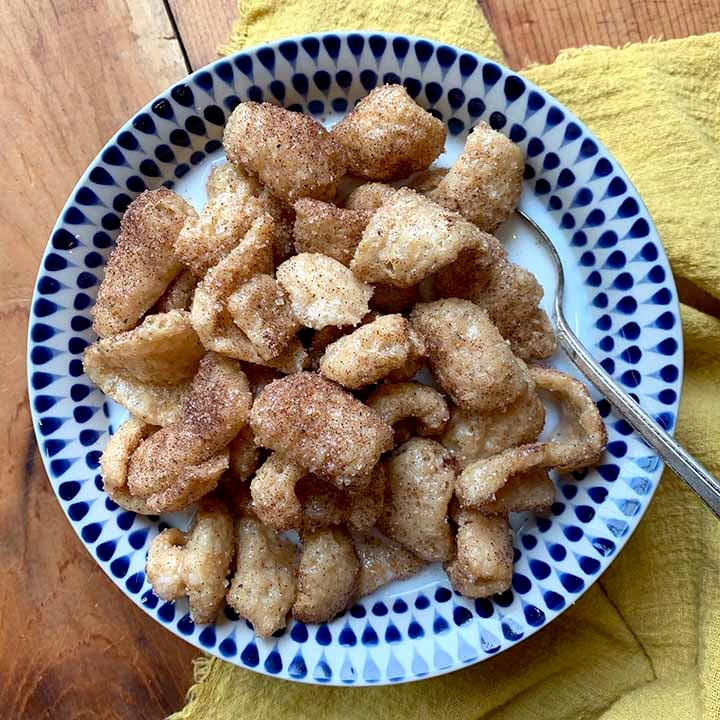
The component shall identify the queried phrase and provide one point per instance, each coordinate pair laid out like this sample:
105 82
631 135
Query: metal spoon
695 476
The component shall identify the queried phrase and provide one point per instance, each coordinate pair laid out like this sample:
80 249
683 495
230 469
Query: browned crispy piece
322 338
114 463
323 291
324 504
178 295
389 299
164 349
142 264
194 564
327 575
210 315
483 565
228 178
528 492
389 136
322 227
208 237
213 413
244 454
293 155
273 493
485 182
148 369
579 445
263 586
369 197
471 435
261 309
236 495
320 426
381 561
412 408
409 238
370 353
468 356
532 338
420 478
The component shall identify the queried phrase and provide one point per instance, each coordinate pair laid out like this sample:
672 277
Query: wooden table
72 72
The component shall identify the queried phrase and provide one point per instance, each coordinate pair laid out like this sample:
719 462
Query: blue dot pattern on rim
618 262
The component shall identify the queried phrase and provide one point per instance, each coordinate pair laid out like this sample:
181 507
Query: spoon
688 469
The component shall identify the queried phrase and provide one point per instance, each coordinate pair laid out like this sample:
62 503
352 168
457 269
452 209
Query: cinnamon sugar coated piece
485 182
420 480
409 238
468 356
321 227
388 135
143 263
292 155
321 427
327 576
369 196
261 309
323 291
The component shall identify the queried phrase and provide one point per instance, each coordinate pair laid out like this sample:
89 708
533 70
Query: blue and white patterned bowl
620 298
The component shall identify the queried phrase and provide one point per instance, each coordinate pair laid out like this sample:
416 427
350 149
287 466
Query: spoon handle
700 481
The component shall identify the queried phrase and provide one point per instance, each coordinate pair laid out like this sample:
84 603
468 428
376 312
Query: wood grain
535 31
203 25
529 31
71 646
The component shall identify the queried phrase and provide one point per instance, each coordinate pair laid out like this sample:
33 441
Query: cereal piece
209 313
244 455
366 505
114 463
323 291
578 446
273 493
228 178
509 293
164 349
420 479
224 221
369 197
321 339
327 575
178 295
426 181
293 155
370 353
381 561
485 182
483 565
471 436
389 136
468 356
261 309
409 238
213 413
321 227
322 503
263 586
389 299
194 564
142 264
533 338
320 426
528 492
396 402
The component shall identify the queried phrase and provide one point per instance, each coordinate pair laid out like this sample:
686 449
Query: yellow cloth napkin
644 642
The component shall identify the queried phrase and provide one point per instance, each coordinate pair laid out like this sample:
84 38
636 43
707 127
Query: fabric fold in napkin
644 642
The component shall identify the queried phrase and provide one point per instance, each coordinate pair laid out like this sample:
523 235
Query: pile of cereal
268 350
